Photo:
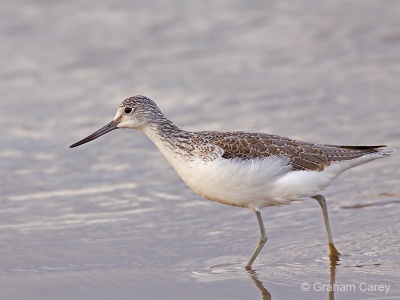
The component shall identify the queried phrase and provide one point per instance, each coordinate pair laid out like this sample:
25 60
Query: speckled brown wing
302 155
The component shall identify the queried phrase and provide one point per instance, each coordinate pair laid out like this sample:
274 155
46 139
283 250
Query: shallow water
111 220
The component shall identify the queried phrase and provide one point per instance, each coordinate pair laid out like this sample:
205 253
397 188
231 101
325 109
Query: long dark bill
109 127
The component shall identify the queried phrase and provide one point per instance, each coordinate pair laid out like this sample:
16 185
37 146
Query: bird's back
302 155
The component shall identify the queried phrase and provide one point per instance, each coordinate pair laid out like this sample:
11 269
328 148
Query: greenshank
251 170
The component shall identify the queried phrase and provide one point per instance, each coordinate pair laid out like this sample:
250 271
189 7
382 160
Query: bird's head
135 112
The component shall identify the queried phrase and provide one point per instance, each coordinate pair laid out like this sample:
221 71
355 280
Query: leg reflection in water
266 295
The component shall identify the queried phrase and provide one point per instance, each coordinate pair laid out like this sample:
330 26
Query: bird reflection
334 261
266 295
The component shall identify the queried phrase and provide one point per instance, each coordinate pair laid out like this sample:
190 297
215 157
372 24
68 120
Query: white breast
245 183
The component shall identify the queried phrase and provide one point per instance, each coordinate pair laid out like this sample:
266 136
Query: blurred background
111 219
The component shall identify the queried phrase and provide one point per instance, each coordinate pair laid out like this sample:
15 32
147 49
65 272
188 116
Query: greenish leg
332 249
261 241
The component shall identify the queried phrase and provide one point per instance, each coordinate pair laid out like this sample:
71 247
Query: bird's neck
165 134
173 143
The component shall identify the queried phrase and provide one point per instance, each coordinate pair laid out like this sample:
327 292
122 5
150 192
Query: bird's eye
128 110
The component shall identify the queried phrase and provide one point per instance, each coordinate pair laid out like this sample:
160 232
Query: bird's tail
381 149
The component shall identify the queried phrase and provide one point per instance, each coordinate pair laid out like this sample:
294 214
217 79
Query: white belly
245 183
